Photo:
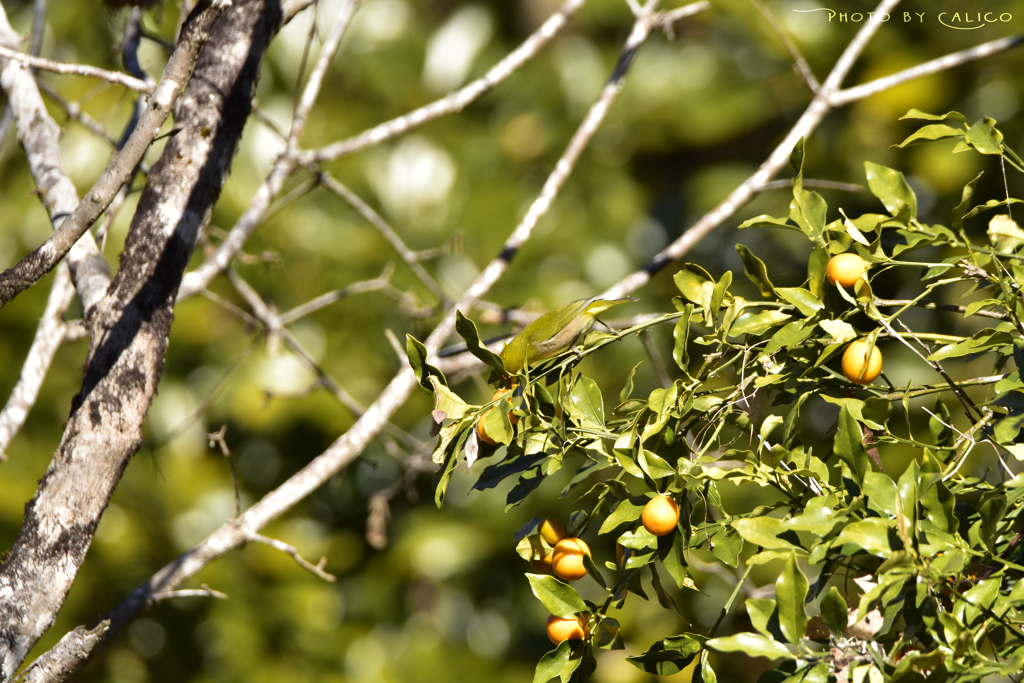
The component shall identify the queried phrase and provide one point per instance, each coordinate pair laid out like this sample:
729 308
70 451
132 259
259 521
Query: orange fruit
660 515
553 530
542 565
857 366
845 269
568 628
567 559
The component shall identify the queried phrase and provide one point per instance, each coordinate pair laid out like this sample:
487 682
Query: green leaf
760 612
871 534
834 611
989 339
690 281
654 465
949 116
417 354
766 221
467 330
790 336
559 598
626 511
497 424
849 445
670 550
763 531
985 137
718 294
751 644
816 266
726 546
880 491
892 189
550 665
808 211
706 673
627 389
680 336
964 206
755 270
669 656
790 594
448 401
587 401
1004 234
935 131
749 322
805 301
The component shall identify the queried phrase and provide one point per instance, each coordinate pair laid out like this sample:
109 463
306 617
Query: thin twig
114 77
656 362
49 336
799 63
316 76
302 310
367 212
455 102
217 438
961 396
317 568
271 321
204 592
941 307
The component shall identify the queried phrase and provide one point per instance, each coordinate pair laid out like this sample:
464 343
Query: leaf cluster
896 577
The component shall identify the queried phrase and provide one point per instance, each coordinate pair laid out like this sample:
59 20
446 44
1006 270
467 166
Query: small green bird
554 332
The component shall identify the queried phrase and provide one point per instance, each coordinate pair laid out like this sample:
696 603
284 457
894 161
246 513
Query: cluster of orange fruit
565 560
862 362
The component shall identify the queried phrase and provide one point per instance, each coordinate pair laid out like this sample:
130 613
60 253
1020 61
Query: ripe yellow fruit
481 432
569 628
660 515
567 559
857 366
542 565
845 269
553 530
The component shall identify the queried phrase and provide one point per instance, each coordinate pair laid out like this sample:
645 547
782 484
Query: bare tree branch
39 136
49 336
64 658
850 95
114 77
31 268
130 327
455 102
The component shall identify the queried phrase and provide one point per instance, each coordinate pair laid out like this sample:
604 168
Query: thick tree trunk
129 329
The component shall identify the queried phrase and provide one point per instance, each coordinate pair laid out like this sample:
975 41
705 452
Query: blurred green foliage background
446 598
